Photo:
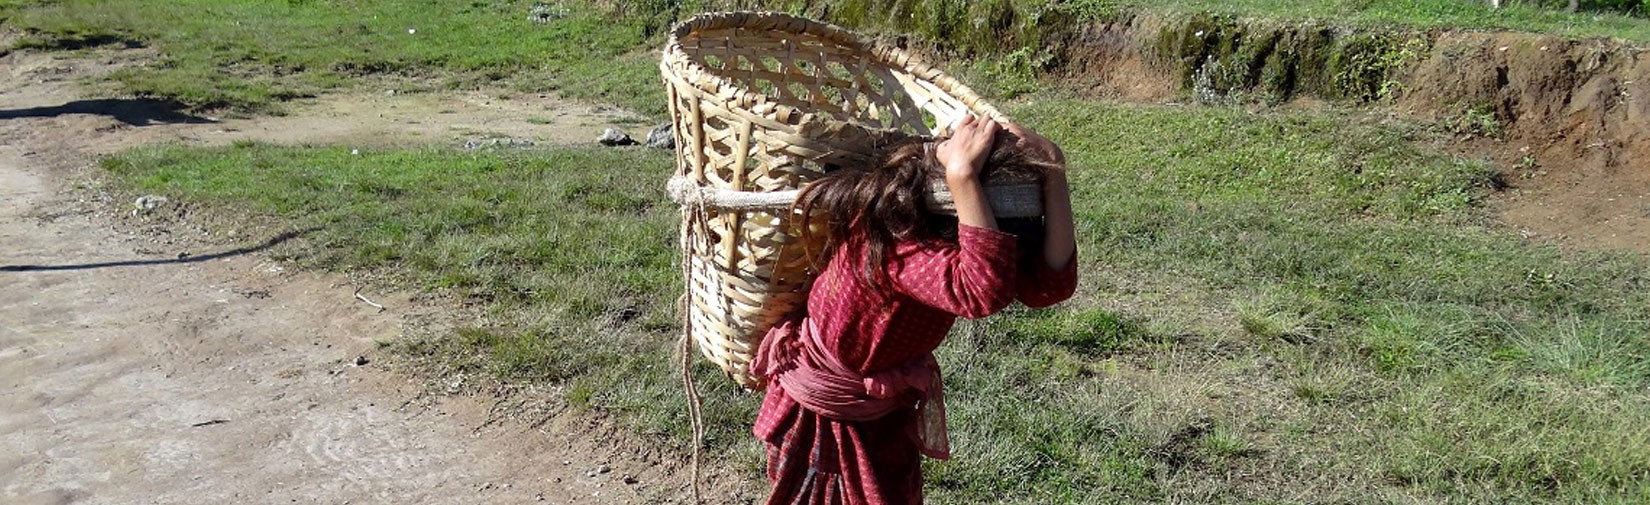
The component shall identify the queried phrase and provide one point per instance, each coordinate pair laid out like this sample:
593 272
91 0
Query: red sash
793 356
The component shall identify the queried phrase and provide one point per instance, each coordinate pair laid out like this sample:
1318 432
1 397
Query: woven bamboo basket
762 103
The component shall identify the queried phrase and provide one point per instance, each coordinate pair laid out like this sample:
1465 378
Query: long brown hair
882 203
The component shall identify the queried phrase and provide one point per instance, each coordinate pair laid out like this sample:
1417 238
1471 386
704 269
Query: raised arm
976 277
1051 278
1060 243
973 279
963 156
1041 286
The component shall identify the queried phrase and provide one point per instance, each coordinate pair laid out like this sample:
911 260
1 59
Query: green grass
1277 307
1423 14
567 217
1363 267
250 56
1003 26
253 55
570 252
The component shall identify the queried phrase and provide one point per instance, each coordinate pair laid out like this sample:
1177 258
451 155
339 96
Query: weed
1474 120
1017 72
1223 442
1396 60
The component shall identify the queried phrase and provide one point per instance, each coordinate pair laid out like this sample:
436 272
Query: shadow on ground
132 111
182 258
84 41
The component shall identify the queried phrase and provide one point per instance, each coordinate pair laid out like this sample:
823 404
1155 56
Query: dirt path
132 373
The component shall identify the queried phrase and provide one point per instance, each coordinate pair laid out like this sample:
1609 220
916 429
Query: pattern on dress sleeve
972 279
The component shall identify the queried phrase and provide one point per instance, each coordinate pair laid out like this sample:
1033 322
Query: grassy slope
252 55
1277 307
1426 14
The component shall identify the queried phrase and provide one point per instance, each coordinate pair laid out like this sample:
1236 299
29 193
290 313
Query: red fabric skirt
814 460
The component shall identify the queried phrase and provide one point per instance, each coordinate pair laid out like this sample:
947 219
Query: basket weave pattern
764 102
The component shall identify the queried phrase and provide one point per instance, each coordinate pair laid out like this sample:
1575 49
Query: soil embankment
1566 122
1575 145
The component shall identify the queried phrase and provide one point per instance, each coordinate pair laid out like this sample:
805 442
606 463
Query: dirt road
138 367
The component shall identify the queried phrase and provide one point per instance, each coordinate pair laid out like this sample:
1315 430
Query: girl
854 394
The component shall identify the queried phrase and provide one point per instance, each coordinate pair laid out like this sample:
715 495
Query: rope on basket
694 414
1008 200
688 194
693 208
694 201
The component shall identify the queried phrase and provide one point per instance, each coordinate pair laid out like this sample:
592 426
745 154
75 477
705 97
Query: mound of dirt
1574 128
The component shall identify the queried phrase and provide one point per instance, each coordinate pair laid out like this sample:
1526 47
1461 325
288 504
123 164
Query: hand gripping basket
761 104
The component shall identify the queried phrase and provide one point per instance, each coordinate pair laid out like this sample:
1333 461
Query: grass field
250 56
1277 307
1456 14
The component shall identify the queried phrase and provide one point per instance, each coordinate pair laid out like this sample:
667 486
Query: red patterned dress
815 459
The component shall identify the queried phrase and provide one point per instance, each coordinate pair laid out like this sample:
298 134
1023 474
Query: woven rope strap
1007 201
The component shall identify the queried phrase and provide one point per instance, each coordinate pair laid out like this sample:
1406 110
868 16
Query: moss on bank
1217 57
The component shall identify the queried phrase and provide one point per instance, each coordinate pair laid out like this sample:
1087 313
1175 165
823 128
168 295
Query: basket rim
714 84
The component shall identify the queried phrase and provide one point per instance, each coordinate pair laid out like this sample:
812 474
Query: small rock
660 137
496 143
361 361
612 137
599 470
630 479
147 203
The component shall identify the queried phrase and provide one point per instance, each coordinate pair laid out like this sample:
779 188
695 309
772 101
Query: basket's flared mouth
794 71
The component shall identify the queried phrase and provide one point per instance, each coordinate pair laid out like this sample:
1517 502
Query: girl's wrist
960 174
961 185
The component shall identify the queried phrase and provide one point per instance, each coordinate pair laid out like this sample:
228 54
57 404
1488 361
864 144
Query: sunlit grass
1277 307
1308 297
253 55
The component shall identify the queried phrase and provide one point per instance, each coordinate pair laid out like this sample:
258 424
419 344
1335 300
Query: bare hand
1037 145
964 154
